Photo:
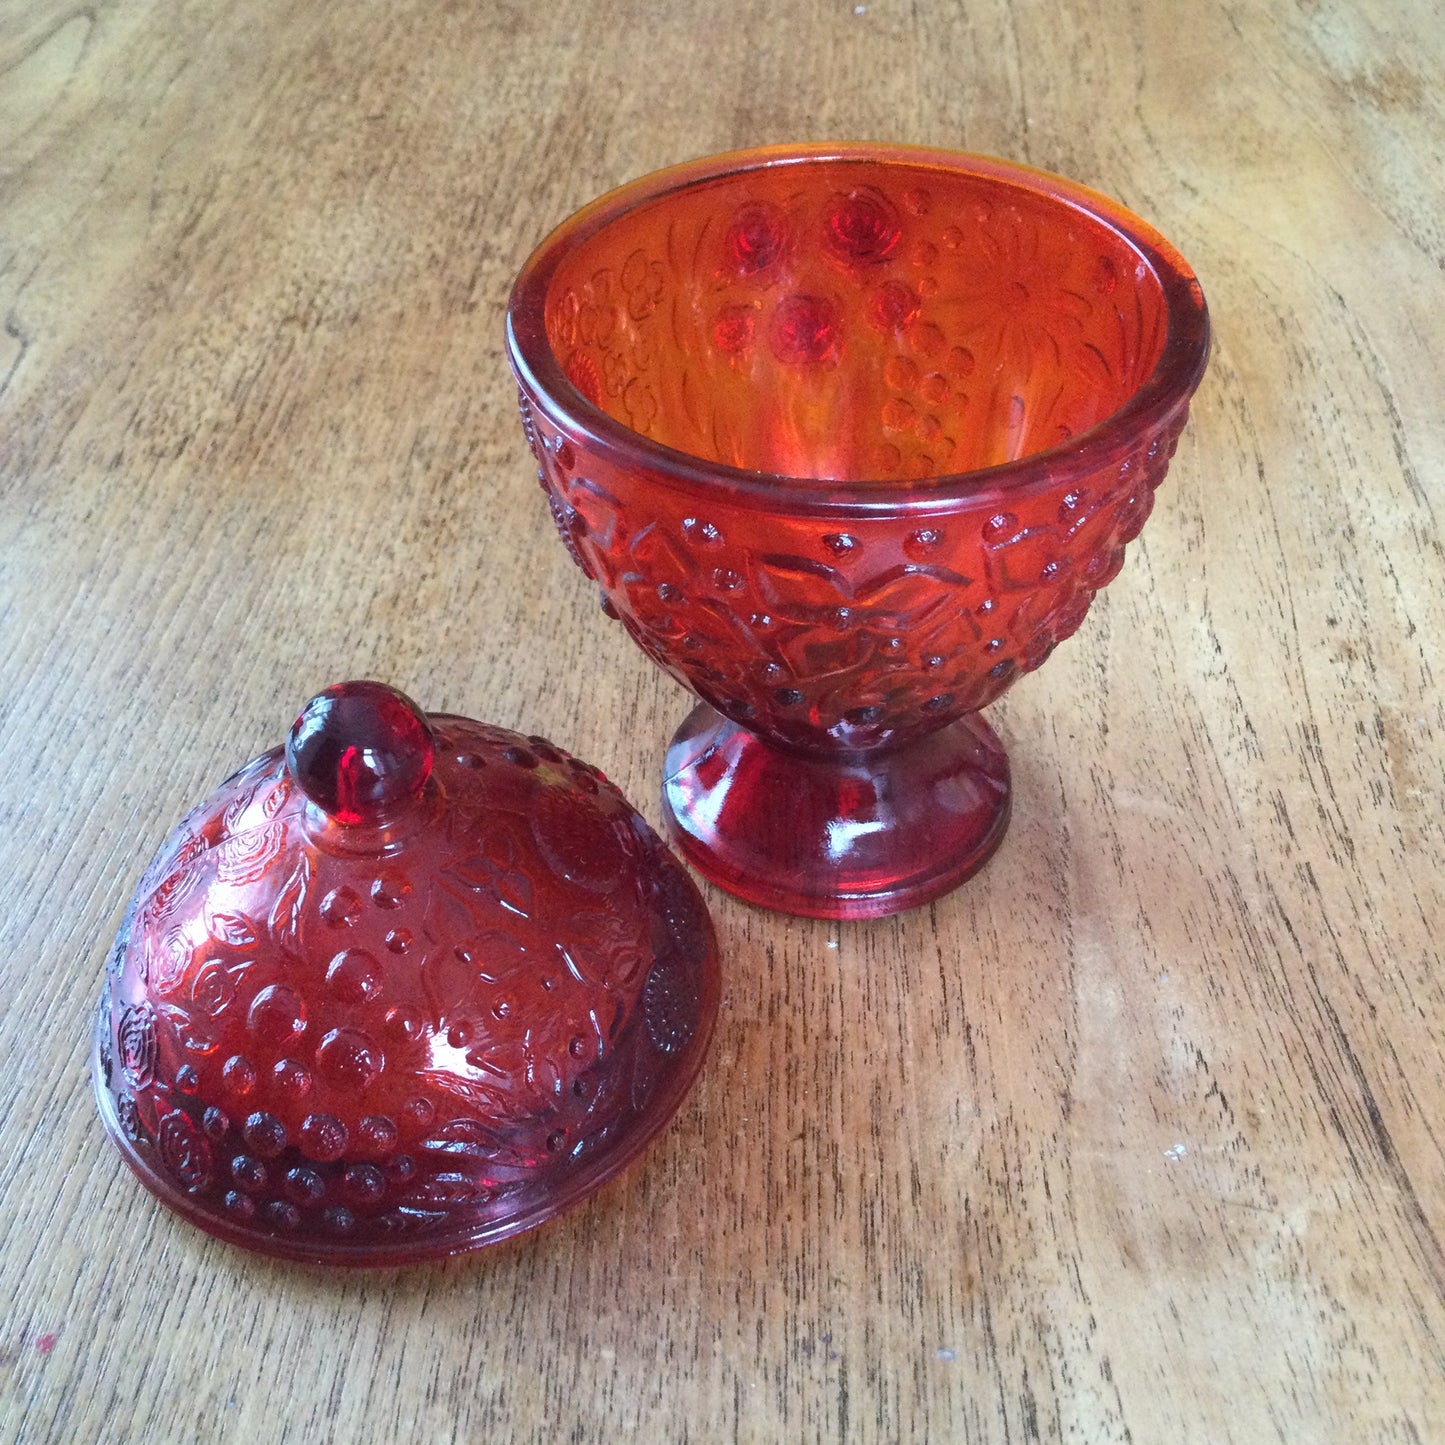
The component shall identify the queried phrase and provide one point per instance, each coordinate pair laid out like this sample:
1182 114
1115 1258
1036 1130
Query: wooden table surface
1137 1136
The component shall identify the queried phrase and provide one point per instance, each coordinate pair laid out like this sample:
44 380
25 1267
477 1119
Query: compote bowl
849 436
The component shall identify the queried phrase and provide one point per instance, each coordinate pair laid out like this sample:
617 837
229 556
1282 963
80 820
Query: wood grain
1134 1138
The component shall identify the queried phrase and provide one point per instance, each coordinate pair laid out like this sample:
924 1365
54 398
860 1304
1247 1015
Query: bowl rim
1164 392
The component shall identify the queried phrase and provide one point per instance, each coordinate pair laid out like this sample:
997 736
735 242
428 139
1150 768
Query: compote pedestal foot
844 836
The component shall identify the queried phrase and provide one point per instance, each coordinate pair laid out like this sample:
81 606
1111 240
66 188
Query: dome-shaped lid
404 988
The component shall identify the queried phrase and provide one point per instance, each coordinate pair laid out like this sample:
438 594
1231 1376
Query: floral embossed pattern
368 1036
863 448
836 322
877 631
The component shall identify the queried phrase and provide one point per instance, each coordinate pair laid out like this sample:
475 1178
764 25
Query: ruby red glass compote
849 437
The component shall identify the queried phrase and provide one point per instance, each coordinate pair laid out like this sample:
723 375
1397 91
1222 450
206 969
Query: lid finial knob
361 751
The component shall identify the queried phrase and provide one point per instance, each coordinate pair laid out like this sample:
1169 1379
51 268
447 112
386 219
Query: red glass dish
849 437
408 987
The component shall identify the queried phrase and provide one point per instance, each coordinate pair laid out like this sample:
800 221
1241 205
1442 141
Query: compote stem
859 835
